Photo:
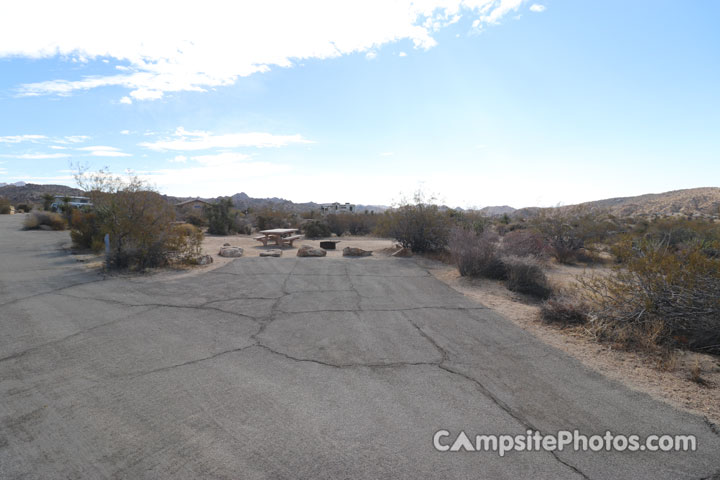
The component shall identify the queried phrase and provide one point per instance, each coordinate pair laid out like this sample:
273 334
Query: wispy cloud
22 138
103 151
37 156
184 140
183 55
537 8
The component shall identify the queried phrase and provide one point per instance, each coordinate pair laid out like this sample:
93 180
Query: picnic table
281 236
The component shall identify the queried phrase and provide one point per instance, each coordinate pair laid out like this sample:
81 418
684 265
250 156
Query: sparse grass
37 219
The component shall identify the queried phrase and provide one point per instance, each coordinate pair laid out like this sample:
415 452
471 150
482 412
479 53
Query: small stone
231 252
356 252
310 251
271 253
226 244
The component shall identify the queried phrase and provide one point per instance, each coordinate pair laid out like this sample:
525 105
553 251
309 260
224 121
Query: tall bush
420 227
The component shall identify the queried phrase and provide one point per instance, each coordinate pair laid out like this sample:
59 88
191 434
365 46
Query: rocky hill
693 201
32 192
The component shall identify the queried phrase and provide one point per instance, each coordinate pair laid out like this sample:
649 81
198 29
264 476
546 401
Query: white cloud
104 151
402 54
37 156
371 55
184 140
178 159
126 100
74 139
387 154
22 138
199 48
124 132
536 7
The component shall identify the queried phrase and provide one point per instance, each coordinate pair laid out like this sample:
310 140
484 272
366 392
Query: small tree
48 199
218 215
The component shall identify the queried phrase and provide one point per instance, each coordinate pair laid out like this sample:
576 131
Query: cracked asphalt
291 368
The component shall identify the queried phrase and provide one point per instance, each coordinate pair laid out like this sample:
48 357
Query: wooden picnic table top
278 231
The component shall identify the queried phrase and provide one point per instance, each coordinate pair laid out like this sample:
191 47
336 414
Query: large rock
204 260
231 252
271 253
355 252
310 251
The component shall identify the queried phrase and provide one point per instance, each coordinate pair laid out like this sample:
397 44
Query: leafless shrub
564 309
524 243
476 255
526 275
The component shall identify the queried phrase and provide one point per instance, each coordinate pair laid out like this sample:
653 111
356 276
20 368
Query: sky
473 102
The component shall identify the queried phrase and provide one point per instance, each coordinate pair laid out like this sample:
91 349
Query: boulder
355 252
231 252
271 253
204 260
226 244
310 251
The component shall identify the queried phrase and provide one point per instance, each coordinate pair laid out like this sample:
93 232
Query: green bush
269 218
316 229
36 219
420 227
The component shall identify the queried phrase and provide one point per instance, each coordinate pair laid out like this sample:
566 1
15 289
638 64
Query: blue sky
477 102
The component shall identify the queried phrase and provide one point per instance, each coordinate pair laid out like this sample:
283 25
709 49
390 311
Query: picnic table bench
281 236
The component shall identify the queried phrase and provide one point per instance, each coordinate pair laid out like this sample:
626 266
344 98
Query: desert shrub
568 230
185 243
139 221
526 275
564 309
4 206
269 218
659 294
86 230
470 220
420 227
524 243
195 219
36 219
25 207
316 229
476 255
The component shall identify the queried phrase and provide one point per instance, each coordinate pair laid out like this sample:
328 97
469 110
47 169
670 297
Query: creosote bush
524 243
420 227
139 221
316 229
36 219
671 293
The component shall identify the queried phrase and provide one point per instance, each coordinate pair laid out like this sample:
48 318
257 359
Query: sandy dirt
638 371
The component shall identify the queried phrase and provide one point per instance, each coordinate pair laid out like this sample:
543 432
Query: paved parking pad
295 368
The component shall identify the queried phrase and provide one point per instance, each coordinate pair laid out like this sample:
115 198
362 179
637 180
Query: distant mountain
694 201
16 184
21 192
497 211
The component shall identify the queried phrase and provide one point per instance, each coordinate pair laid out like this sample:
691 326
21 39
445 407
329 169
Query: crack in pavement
505 407
50 292
72 335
